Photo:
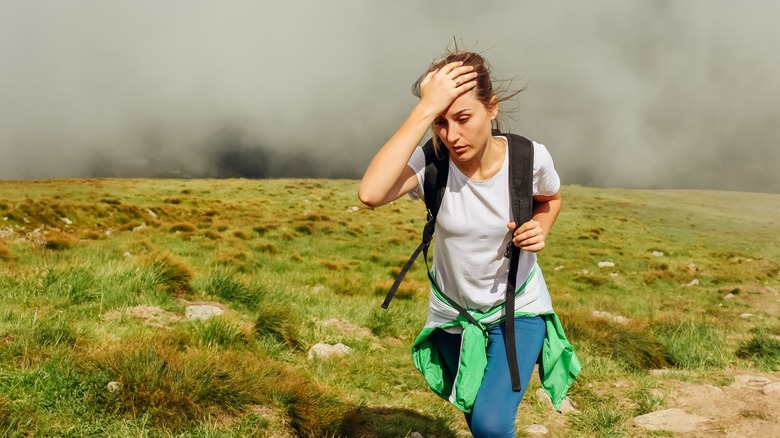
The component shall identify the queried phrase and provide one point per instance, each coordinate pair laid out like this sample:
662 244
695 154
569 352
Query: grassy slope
284 255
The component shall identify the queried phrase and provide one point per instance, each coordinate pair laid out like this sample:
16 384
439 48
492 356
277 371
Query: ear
493 110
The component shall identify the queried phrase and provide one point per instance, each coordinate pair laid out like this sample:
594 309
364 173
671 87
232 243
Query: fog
641 94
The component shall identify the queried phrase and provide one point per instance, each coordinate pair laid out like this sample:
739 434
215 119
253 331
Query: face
465 127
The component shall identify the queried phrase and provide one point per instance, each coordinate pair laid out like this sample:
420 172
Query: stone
658 254
113 386
729 297
415 435
694 282
536 429
66 220
672 420
202 312
606 264
745 315
139 228
606 315
325 351
353 209
566 405
127 254
151 213
772 389
659 372
558 268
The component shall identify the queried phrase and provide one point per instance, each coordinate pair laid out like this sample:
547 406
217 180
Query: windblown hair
484 91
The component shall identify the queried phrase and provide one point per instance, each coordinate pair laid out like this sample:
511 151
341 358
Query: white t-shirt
471 238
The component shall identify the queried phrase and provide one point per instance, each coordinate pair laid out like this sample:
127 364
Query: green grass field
96 275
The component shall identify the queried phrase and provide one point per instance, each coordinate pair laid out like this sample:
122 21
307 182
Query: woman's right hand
441 87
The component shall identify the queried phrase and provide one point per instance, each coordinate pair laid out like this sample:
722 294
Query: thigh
495 408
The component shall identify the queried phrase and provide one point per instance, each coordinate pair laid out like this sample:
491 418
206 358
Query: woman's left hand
529 236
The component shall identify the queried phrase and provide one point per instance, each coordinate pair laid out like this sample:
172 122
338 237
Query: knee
492 427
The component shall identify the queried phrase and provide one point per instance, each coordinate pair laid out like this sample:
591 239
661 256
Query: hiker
473 227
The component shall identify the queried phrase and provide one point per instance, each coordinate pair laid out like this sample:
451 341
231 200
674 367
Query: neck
486 164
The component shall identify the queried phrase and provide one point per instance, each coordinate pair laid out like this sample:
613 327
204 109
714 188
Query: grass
101 298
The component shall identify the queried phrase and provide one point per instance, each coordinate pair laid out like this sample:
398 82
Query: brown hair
484 91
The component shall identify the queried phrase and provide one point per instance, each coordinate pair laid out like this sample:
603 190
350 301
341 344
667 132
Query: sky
635 94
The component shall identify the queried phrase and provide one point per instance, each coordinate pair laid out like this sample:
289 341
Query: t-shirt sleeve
417 163
546 179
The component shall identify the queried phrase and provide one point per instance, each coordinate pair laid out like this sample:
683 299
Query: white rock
772 389
658 254
745 315
415 435
729 297
613 274
202 312
566 405
558 268
66 220
127 254
113 386
151 213
673 420
353 209
606 264
139 228
694 282
536 429
325 351
606 315
659 372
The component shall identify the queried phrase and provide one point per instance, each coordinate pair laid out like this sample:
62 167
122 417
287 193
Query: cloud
631 94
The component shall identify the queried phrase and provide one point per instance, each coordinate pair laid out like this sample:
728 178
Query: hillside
670 298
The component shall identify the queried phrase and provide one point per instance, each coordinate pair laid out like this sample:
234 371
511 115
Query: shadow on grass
384 422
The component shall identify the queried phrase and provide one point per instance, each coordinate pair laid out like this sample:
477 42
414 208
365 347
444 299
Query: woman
473 226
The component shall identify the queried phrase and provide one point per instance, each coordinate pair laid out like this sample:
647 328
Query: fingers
529 236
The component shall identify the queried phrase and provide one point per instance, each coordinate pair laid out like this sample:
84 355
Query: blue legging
495 409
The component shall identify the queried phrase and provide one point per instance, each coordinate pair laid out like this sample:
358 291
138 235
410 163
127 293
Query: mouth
459 149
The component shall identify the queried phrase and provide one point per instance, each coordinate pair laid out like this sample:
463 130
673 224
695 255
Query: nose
453 133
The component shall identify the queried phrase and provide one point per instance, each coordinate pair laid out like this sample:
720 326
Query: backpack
521 160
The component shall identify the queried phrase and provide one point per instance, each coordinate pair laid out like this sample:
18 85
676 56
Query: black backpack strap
434 184
521 170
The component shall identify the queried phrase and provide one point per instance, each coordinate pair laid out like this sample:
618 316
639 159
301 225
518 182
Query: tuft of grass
182 227
5 252
168 273
604 418
645 399
217 332
691 344
57 241
53 332
763 348
225 285
638 349
279 323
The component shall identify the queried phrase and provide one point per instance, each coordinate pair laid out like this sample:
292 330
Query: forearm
388 164
546 210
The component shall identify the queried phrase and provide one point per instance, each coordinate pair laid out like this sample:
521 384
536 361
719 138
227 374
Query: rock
613 274
606 315
694 282
139 228
325 351
318 289
743 380
151 213
673 420
606 264
353 209
745 315
772 389
113 386
536 429
66 220
202 312
729 297
566 405
127 254
415 435
659 372
558 268
658 254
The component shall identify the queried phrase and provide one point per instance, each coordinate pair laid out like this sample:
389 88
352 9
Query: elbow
368 199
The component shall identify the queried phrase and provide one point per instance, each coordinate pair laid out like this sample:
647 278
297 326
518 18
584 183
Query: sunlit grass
82 260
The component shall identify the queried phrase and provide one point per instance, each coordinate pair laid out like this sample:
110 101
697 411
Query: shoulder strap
434 184
521 170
